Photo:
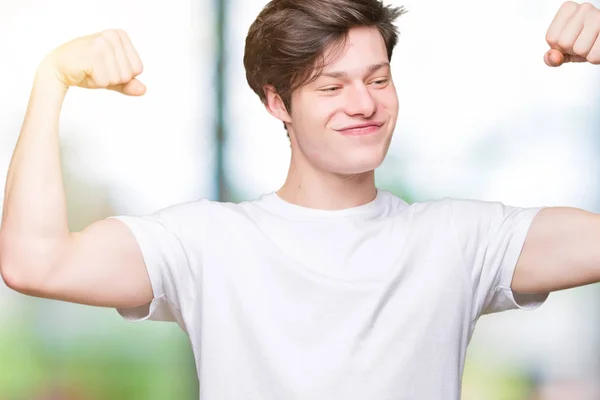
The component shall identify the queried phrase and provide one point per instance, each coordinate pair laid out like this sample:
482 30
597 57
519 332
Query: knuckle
101 44
569 5
594 59
551 38
587 6
137 68
121 33
564 44
580 49
110 34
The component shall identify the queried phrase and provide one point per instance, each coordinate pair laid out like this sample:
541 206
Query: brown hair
286 43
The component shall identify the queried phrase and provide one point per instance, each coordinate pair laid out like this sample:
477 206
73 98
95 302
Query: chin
360 165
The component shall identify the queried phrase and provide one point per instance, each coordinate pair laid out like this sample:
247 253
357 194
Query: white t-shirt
374 302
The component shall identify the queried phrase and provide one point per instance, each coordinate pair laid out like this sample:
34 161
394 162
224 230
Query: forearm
34 219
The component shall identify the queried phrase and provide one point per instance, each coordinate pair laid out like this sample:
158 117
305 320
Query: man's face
343 121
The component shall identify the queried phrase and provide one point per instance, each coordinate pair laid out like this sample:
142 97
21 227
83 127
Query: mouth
368 128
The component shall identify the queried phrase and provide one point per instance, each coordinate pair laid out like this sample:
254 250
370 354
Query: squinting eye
330 89
380 81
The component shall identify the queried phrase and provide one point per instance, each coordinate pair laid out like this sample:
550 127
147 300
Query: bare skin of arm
562 249
101 265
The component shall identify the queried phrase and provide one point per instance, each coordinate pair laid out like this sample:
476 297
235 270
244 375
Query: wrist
47 95
47 80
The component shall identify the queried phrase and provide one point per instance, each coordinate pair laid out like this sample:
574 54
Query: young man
327 288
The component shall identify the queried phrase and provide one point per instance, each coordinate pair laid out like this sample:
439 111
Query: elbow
20 279
10 277
6 270
10 272
13 270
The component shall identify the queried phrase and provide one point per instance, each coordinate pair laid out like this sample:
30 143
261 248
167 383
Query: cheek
388 100
320 114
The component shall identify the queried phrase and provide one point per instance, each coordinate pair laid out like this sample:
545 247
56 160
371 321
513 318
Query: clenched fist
105 60
573 35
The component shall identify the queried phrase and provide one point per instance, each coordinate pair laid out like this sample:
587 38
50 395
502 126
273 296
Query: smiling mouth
361 130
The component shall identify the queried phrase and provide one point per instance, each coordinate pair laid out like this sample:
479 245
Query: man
327 288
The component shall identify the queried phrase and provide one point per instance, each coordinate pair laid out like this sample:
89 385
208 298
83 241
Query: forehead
364 46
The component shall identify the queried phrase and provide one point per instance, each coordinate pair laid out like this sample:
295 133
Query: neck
310 187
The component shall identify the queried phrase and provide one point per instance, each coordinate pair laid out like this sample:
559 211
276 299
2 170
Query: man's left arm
562 249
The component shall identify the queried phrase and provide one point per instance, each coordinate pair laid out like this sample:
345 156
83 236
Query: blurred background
481 117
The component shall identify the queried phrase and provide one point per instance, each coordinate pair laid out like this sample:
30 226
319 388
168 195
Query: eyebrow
370 69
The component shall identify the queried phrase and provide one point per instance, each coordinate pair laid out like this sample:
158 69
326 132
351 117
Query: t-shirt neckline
274 203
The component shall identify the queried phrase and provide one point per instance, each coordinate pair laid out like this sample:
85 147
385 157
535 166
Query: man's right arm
103 264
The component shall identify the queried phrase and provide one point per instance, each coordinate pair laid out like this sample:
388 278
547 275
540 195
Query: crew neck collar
274 203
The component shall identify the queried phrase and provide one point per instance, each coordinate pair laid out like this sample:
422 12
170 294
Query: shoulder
202 212
464 215
460 208
469 218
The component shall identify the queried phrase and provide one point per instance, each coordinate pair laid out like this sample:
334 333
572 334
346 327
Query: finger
554 58
593 56
120 56
560 21
571 31
132 88
110 60
132 55
586 40
574 59
98 76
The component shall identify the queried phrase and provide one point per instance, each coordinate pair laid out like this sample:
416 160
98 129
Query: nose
359 101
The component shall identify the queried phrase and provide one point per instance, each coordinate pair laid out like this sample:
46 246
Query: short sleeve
491 236
160 237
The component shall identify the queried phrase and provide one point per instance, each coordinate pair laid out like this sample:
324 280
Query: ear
275 105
